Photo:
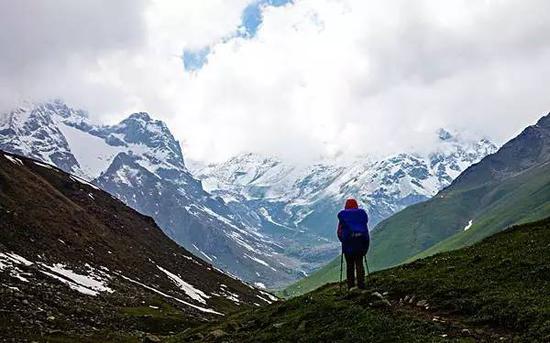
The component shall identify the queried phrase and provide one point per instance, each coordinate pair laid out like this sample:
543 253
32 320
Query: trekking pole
341 265
367 264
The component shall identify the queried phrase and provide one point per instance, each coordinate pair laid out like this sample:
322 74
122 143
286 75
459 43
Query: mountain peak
544 121
144 116
60 108
444 135
144 121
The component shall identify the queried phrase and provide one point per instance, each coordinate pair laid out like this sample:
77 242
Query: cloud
251 18
318 77
324 77
47 45
105 56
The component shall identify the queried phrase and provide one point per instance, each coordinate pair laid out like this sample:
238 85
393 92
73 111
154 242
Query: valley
281 171
77 263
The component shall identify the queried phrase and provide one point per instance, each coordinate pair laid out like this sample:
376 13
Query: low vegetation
496 290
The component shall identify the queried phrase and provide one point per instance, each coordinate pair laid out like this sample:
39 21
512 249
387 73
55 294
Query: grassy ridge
496 290
520 200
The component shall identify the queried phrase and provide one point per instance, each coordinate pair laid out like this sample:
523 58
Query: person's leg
360 271
350 272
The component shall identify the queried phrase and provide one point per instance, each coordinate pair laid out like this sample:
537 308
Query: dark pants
354 262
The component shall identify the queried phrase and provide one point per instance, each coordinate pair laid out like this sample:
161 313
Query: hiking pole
341 265
367 264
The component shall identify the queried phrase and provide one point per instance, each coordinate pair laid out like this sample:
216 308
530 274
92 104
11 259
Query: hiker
353 232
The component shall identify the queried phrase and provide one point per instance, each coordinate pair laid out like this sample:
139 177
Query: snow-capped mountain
58 134
33 133
263 219
140 162
296 204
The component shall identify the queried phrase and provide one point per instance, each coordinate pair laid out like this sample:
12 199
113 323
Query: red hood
351 203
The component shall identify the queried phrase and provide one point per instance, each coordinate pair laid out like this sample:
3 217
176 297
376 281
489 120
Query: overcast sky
299 79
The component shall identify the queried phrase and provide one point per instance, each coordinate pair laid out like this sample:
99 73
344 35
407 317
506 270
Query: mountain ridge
296 203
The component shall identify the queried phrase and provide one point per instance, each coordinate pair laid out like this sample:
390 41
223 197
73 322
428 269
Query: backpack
355 230
354 220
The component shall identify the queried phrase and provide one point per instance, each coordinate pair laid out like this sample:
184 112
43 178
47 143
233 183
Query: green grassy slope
496 290
509 187
527 198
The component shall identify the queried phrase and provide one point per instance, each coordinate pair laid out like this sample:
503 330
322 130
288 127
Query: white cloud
328 76
320 76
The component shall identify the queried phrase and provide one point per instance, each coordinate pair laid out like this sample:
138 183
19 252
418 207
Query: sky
298 79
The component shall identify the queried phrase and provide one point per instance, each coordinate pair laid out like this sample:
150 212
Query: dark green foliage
496 290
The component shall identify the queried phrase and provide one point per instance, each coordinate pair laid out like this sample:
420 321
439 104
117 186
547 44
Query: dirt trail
454 325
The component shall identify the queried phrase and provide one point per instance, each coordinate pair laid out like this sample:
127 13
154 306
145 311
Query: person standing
353 232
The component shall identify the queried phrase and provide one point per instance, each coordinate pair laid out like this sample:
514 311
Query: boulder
151 339
218 333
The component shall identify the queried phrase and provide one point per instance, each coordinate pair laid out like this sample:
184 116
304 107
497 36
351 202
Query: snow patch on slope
10 262
14 160
90 284
86 284
82 181
191 291
260 261
202 309
81 143
203 253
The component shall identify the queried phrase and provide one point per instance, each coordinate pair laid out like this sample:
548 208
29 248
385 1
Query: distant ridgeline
509 187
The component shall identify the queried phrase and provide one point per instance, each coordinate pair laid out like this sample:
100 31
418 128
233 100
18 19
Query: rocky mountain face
531 148
34 134
296 204
76 261
140 162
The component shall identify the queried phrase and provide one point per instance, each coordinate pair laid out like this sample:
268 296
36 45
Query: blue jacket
353 231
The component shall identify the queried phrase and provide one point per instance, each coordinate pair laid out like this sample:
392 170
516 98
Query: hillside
76 262
495 290
509 187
